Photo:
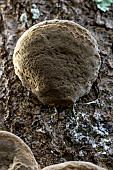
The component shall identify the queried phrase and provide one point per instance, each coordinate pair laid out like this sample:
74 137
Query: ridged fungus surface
58 60
74 165
15 154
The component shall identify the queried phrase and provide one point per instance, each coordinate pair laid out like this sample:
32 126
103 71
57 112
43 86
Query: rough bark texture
56 135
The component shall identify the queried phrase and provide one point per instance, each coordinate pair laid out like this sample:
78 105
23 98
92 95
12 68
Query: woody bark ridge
58 60
16 155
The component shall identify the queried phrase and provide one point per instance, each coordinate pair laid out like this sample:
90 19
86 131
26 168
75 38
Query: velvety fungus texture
15 154
74 165
58 60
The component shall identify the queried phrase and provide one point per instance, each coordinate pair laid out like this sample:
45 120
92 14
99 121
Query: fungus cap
58 60
74 165
15 154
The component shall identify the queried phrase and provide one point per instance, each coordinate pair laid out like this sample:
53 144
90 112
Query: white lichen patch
90 130
9 38
1 73
35 12
1 70
24 18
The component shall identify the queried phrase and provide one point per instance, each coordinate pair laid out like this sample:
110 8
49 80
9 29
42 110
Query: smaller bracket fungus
74 165
58 60
15 154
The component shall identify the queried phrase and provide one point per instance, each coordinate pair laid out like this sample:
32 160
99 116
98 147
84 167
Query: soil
57 134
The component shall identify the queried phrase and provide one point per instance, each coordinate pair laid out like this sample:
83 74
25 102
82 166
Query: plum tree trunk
58 134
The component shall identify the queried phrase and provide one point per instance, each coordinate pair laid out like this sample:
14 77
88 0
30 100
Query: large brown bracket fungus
58 60
74 165
15 154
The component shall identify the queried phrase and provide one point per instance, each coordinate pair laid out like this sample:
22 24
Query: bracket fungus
15 154
74 165
58 60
